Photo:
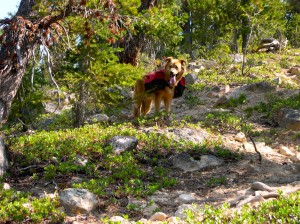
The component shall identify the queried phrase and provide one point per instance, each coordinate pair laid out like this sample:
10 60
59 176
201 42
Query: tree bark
132 45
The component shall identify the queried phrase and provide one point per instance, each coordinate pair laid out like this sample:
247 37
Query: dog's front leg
168 103
157 102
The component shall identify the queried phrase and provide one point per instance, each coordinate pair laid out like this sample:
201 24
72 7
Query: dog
161 89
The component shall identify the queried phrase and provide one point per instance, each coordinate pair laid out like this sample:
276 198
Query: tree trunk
12 72
80 106
187 30
132 45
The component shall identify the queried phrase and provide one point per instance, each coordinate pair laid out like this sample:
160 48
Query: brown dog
160 90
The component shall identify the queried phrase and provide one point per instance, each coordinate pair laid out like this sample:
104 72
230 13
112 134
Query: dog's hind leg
146 105
137 109
138 94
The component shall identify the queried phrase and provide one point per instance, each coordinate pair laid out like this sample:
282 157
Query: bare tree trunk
187 29
80 106
15 54
246 34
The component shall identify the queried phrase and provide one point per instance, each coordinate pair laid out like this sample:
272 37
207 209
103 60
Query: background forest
88 52
67 69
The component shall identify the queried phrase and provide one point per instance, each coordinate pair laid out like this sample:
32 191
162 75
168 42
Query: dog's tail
138 94
139 88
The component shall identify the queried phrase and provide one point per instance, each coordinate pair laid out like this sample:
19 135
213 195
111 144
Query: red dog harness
155 81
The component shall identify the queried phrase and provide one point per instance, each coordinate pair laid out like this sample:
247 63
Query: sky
7 6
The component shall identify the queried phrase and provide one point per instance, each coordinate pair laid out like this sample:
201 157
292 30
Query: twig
27 168
255 148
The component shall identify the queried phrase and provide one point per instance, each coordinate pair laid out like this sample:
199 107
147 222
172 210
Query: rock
150 209
78 201
285 151
160 197
227 89
185 162
237 58
259 186
186 198
6 186
221 101
80 160
191 78
296 158
118 219
209 160
240 137
97 118
260 87
123 143
294 70
181 211
188 164
288 118
158 216
187 134
173 220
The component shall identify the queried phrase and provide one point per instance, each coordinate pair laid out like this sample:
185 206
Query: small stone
285 151
6 186
240 137
158 216
227 88
296 158
118 219
186 198
173 220
150 209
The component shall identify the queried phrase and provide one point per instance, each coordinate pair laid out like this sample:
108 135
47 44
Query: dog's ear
183 63
169 59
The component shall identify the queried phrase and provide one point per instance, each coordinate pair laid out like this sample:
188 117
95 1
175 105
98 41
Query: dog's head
174 70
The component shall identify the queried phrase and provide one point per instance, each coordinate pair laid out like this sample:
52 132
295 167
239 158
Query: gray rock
182 209
188 134
288 118
185 162
260 87
188 164
78 201
237 58
97 118
186 198
191 78
221 101
123 143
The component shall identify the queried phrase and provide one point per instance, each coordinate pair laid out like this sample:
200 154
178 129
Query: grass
16 206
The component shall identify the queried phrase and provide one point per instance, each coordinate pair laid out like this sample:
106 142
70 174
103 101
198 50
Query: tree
40 24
